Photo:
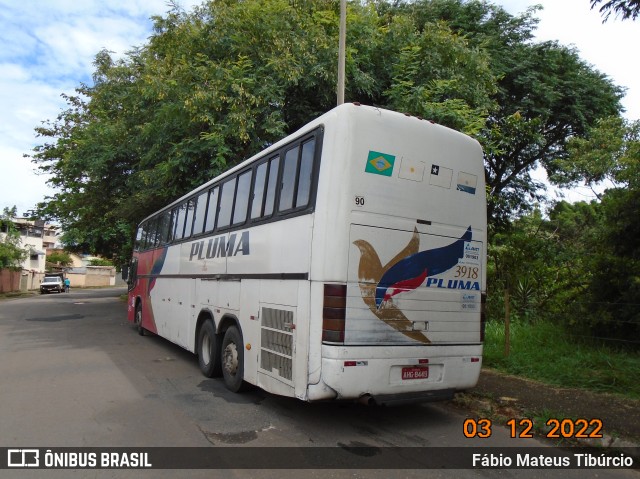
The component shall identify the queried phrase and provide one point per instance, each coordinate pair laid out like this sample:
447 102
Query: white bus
346 261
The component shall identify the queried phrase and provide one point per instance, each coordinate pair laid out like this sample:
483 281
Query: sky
48 48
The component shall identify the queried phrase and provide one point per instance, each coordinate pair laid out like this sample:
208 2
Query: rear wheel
232 356
209 350
138 320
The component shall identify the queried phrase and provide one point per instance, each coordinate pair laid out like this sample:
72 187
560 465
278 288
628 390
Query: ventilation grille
279 319
277 342
278 365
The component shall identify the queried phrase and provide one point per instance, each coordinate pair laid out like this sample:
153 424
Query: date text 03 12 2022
522 428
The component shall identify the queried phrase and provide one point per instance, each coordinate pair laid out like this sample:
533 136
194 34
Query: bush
547 352
100 262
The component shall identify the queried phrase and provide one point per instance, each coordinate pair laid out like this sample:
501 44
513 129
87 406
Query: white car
51 283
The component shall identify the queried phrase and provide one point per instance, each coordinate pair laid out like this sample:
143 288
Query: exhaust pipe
367 400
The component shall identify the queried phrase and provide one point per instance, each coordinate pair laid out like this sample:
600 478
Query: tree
60 258
535 260
456 94
11 253
614 288
100 262
623 8
215 86
545 95
611 151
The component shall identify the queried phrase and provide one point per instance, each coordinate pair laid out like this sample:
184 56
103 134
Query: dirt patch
508 397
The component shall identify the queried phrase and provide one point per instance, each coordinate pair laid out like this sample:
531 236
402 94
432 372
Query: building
35 237
40 239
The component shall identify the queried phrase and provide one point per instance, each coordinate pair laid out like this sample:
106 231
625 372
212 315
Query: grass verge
543 351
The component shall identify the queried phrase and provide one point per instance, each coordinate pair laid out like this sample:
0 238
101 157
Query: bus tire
209 350
232 357
138 319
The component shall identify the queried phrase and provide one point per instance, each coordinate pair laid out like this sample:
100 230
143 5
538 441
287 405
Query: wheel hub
206 349
230 358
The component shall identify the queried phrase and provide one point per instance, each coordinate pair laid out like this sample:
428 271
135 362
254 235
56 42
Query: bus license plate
415 373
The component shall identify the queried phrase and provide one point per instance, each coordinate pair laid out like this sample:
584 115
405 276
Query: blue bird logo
405 272
410 272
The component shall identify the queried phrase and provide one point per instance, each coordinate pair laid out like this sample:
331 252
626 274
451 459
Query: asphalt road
74 373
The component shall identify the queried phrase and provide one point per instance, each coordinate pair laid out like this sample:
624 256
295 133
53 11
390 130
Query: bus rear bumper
396 375
407 398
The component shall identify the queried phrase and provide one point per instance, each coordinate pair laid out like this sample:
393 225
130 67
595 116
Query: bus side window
180 217
133 274
143 239
188 224
170 226
226 203
242 198
269 200
174 221
139 238
201 211
306 170
258 191
212 210
289 173
163 228
152 233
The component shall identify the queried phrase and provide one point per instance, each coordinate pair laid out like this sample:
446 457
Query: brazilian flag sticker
380 163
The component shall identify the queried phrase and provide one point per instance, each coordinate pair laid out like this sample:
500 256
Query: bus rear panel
401 289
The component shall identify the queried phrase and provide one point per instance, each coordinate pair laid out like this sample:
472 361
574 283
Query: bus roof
333 113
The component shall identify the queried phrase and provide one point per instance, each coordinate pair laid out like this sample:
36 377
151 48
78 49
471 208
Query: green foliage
610 151
577 268
624 8
545 95
438 76
100 262
216 85
60 258
548 352
614 286
536 265
608 241
11 253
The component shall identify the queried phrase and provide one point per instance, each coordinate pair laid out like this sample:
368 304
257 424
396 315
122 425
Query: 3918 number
469 272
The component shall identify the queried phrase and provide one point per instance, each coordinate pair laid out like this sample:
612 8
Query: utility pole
341 50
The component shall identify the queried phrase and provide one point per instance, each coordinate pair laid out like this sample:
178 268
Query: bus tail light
483 315
334 309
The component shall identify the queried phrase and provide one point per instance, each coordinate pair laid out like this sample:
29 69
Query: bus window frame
173 210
